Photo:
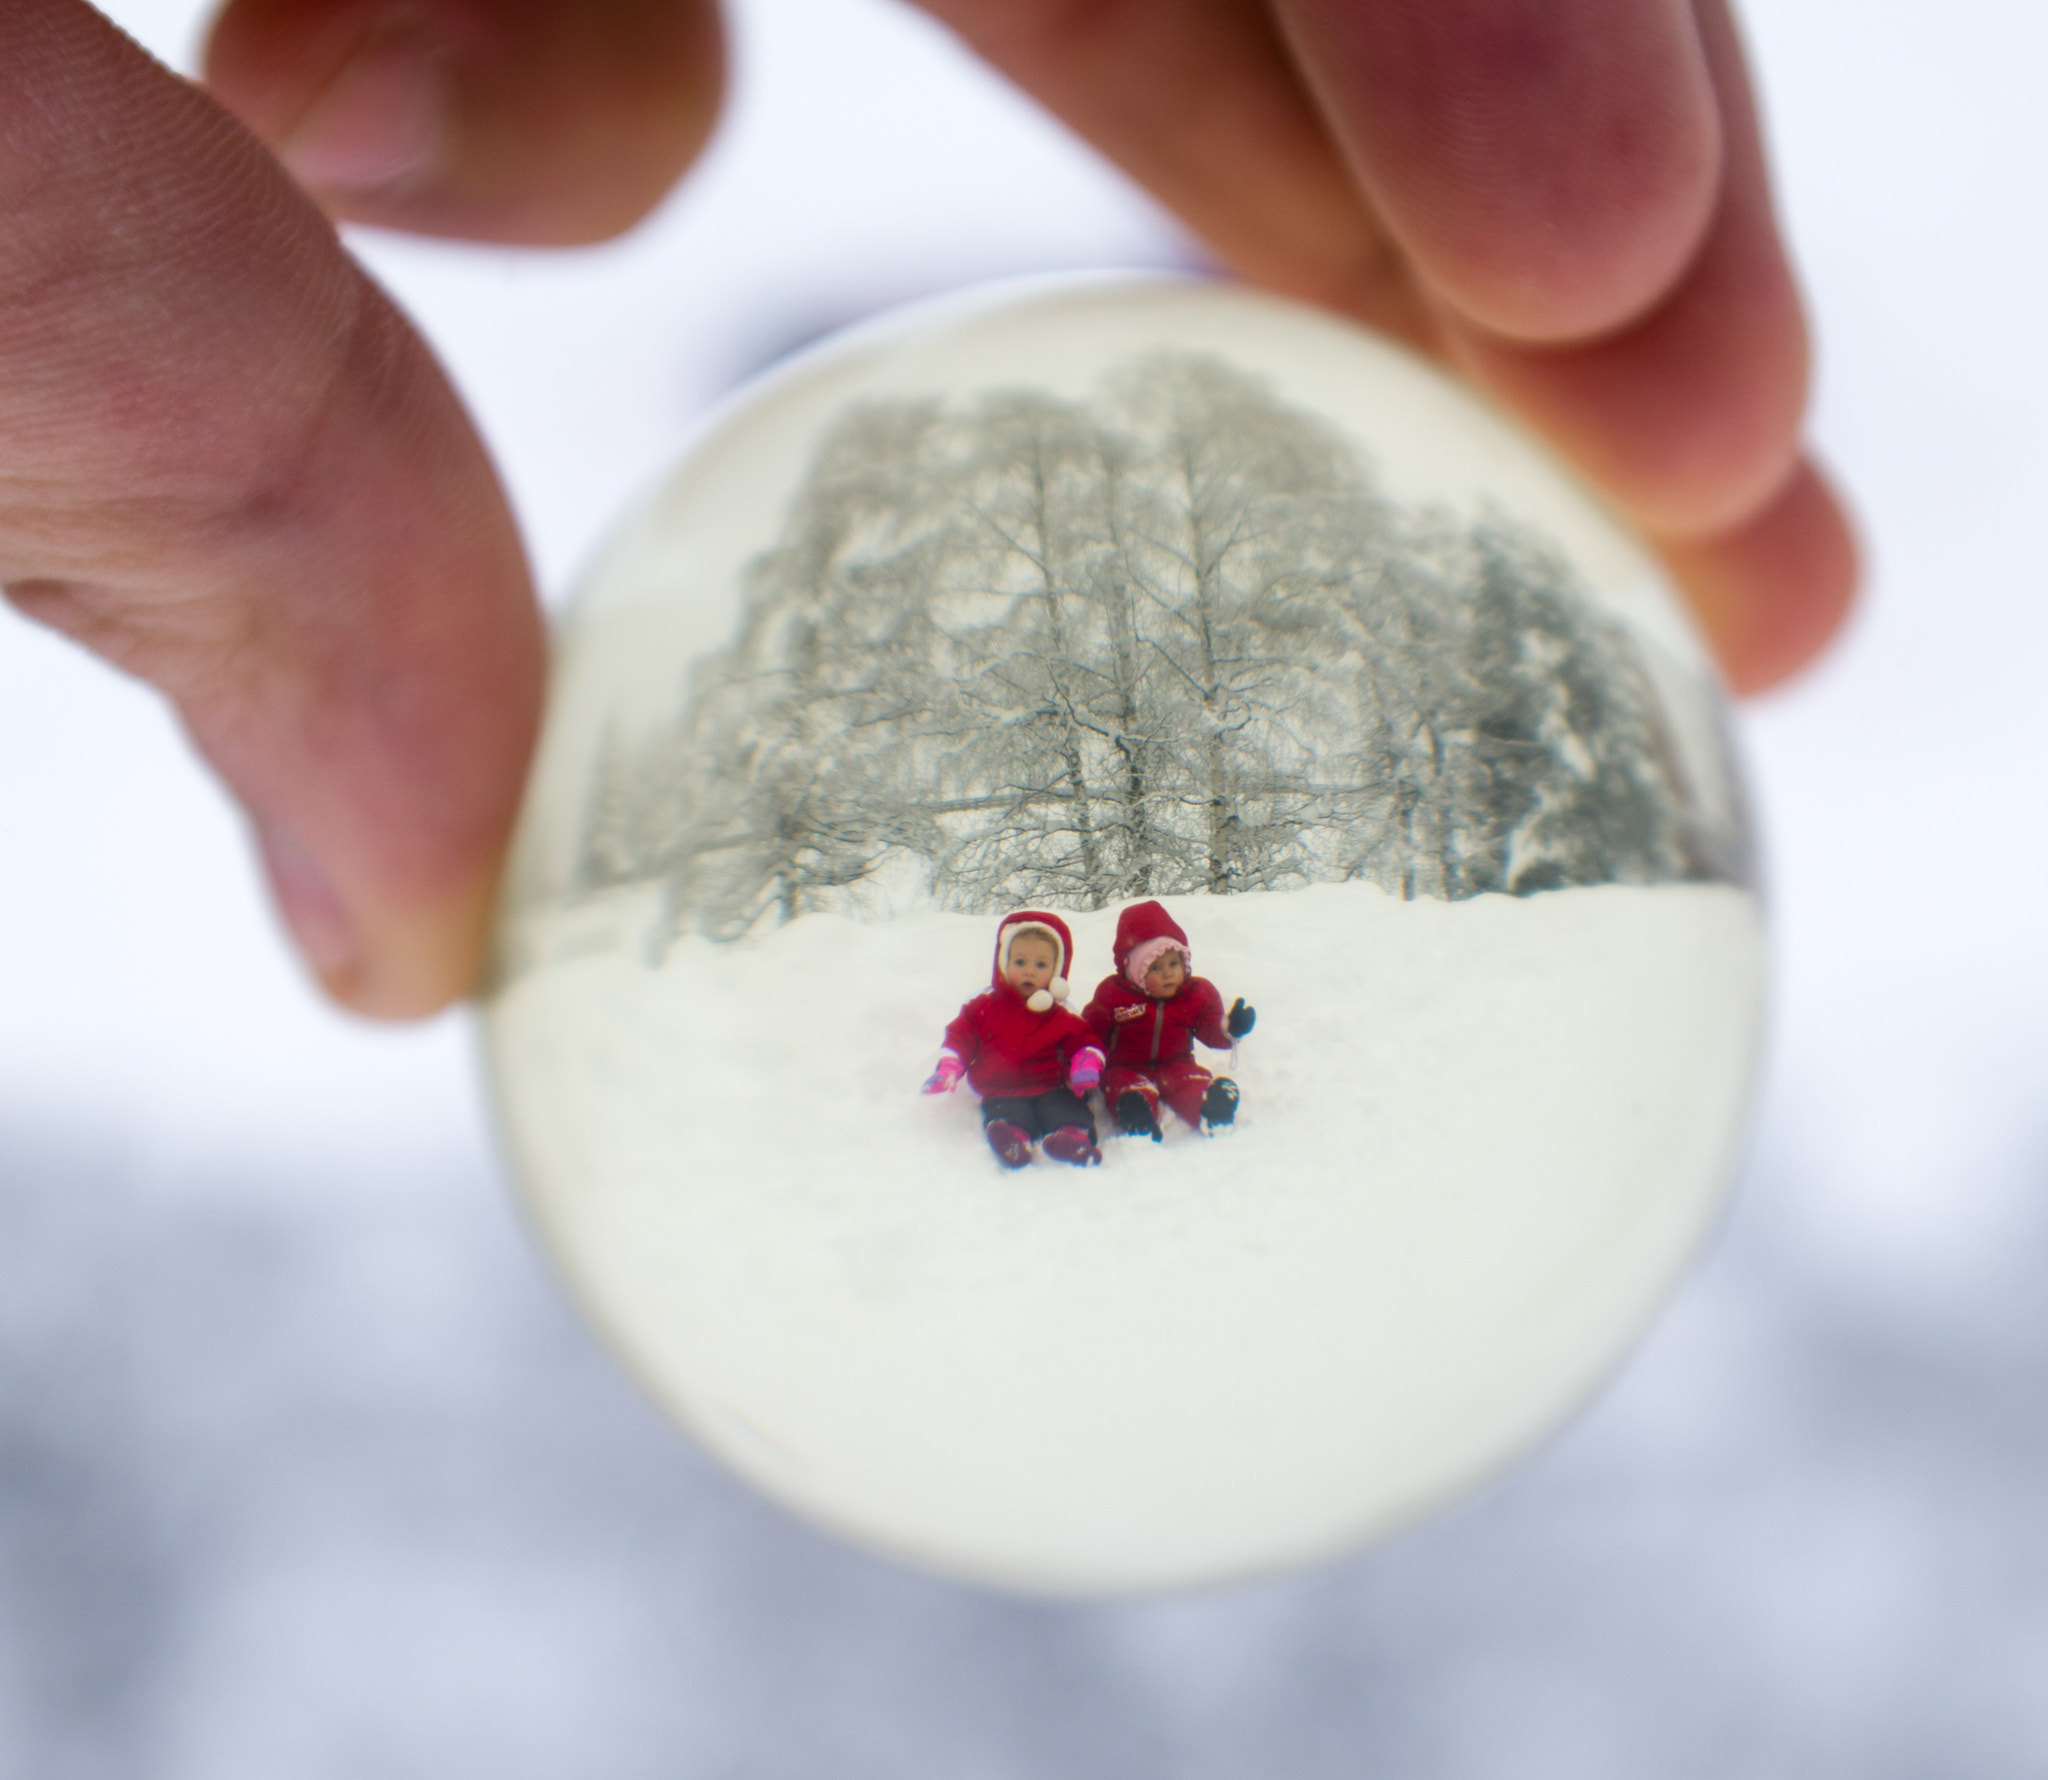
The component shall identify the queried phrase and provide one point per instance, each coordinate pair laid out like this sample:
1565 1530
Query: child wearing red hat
1024 1051
1148 1017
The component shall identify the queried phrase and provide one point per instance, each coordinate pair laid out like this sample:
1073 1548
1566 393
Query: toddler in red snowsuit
1024 1051
1148 1017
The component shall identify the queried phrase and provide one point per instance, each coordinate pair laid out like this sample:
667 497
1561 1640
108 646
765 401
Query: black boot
1219 1105
1134 1113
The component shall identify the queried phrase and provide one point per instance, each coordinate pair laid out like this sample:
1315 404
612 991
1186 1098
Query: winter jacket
1008 1046
1134 1029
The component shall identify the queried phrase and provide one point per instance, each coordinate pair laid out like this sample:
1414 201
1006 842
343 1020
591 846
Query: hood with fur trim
1051 927
1143 931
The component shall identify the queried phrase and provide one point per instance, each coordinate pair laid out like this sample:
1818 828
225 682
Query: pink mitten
946 1077
1085 1070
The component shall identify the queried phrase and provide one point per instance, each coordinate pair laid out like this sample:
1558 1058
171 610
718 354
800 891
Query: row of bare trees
1037 650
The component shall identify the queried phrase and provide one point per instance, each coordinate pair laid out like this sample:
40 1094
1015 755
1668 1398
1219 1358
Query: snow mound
1477 1140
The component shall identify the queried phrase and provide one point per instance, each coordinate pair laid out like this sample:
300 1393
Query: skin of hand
230 467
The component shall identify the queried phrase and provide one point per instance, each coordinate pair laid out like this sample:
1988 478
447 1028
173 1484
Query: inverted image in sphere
1281 823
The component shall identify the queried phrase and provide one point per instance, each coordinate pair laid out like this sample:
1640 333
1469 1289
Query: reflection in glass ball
1281 821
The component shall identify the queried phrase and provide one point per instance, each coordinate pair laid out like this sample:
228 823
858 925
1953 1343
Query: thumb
229 466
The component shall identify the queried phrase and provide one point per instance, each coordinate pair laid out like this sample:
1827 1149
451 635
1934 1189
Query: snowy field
307 1473
1477 1140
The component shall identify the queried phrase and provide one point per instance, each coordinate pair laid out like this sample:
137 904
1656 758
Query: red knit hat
1143 931
1049 927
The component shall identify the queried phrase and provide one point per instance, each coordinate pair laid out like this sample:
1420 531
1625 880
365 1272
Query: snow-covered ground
1477 1140
305 1472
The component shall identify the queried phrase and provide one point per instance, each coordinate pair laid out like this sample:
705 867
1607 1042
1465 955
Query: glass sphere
974 665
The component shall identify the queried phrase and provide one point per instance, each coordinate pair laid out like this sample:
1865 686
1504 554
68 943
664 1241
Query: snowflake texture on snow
1478 1138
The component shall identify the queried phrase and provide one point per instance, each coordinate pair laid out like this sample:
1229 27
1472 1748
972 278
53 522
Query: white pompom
1059 988
1038 1001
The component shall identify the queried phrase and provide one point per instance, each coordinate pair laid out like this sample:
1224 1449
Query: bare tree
1172 638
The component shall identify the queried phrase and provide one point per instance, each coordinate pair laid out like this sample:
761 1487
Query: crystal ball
1132 955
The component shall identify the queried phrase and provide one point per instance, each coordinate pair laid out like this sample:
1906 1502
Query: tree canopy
1171 638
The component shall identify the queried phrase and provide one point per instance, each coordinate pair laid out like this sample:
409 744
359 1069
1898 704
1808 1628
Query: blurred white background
304 1471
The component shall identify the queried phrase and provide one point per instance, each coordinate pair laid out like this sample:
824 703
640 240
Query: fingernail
312 911
378 124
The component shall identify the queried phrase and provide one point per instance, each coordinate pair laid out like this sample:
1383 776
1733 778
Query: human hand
1240 1019
945 1078
1085 1070
235 471
1566 199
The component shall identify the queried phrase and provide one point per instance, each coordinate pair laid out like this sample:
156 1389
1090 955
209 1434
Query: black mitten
1240 1019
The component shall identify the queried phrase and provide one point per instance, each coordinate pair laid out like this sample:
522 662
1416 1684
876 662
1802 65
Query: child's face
1165 974
1030 964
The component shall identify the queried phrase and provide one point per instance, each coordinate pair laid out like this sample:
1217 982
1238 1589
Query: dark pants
1037 1115
1181 1085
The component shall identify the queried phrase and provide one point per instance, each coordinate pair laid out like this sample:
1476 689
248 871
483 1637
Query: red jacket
1007 1047
1134 1029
